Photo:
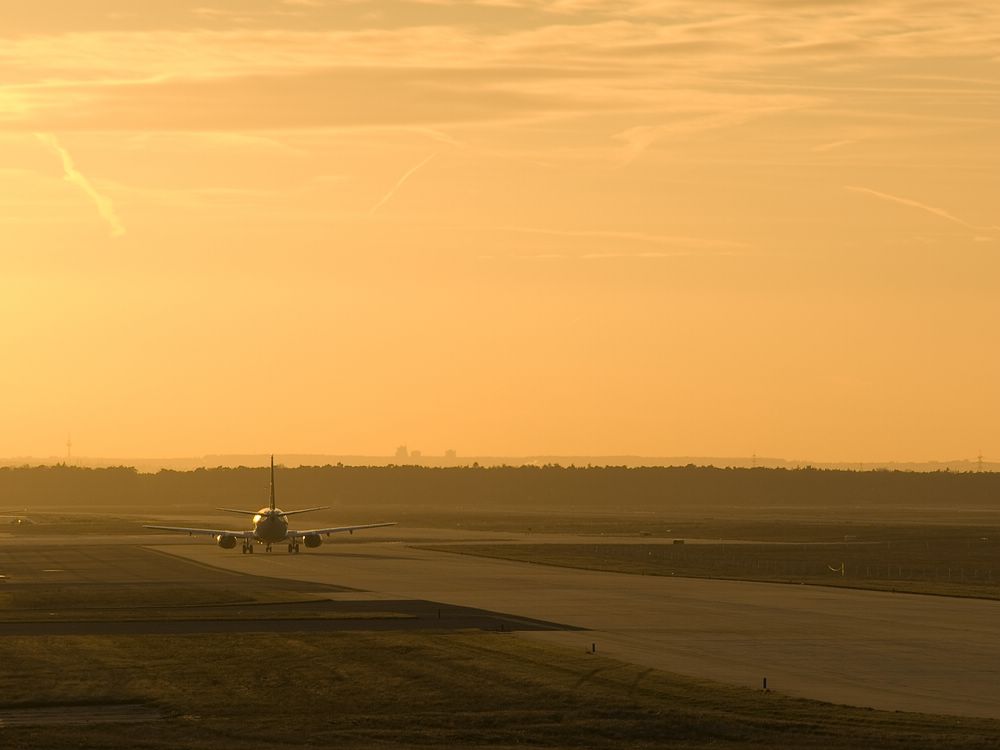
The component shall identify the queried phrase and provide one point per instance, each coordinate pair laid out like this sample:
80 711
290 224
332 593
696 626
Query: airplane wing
202 532
338 529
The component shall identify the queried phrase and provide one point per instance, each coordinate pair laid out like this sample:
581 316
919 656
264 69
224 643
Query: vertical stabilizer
272 481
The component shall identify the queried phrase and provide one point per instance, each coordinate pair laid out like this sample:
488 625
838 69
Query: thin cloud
268 73
834 145
654 254
642 237
651 255
739 110
939 212
399 183
70 173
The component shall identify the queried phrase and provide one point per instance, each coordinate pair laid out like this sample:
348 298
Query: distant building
450 453
402 452
415 454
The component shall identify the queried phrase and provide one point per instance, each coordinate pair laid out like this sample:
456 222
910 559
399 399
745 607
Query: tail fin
272 481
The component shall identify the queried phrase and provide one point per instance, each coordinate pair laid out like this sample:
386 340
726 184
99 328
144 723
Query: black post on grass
765 683
593 648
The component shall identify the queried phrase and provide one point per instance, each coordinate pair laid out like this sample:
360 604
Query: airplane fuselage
270 526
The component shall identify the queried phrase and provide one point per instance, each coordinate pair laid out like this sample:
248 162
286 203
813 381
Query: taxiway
866 648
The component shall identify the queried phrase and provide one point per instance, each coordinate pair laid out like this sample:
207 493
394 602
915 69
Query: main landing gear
247 548
293 547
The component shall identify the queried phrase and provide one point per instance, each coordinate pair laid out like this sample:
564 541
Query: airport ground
373 641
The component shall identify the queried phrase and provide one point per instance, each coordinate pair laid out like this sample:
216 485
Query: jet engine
312 540
225 541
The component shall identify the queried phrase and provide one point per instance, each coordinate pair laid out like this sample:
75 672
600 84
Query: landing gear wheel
296 549
290 546
250 548
267 548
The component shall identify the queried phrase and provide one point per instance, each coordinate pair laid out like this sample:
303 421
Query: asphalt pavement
883 650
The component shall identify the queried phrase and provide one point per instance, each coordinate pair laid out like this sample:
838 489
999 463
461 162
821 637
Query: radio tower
69 449
979 460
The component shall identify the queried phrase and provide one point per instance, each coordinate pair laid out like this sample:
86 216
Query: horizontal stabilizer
304 510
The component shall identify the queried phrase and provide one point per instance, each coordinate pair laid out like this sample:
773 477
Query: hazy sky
505 227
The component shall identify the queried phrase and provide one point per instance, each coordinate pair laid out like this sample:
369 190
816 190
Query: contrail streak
939 212
398 185
70 173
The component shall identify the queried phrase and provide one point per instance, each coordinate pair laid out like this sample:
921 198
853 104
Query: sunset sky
505 227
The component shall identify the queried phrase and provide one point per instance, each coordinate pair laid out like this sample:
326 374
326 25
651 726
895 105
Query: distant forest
554 487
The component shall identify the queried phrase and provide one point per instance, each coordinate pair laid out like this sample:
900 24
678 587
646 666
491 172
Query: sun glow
529 227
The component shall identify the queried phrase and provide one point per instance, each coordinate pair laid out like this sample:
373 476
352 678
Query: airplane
270 526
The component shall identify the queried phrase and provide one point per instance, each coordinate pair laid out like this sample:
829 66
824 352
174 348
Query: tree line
551 487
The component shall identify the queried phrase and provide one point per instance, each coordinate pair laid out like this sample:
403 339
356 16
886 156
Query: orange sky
504 227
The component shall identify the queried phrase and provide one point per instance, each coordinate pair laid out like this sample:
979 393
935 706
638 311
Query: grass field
922 554
949 566
756 524
429 689
406 690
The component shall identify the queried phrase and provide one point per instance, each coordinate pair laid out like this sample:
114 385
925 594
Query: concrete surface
883 650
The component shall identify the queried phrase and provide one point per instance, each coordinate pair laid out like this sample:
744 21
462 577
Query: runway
882 650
